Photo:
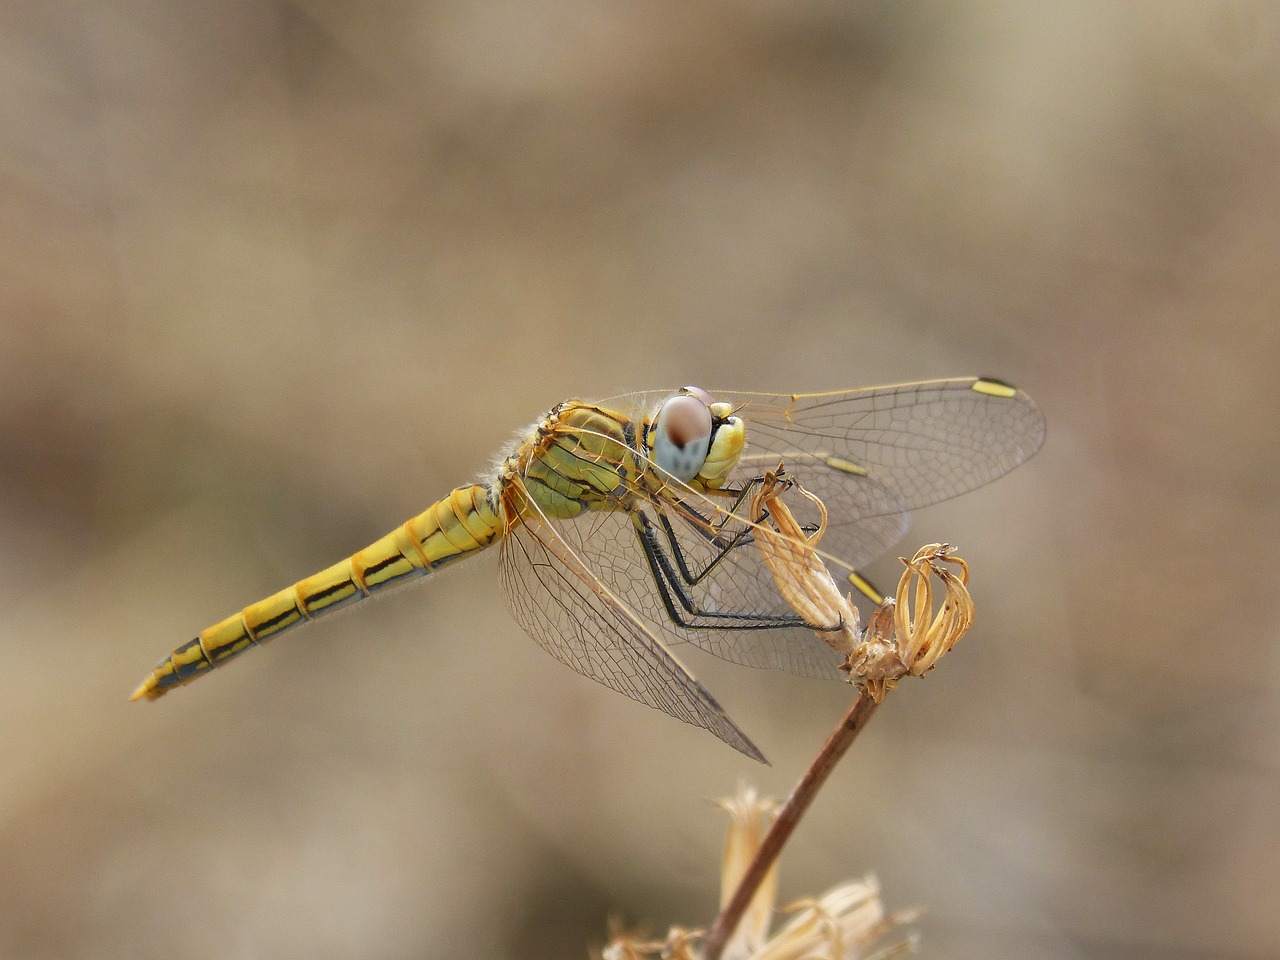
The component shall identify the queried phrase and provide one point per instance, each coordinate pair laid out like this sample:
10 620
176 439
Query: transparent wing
600 592
733 611
687 564
865 516
926 442
921 442
579 618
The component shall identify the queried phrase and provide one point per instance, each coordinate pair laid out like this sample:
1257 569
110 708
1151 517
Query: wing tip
1004 390
994 387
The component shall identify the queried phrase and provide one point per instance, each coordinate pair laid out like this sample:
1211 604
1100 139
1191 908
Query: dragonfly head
695 439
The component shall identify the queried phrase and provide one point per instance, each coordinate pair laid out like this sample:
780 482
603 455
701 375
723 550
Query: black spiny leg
713 532
709 530
680 605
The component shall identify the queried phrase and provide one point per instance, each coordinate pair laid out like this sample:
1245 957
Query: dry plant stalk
904 637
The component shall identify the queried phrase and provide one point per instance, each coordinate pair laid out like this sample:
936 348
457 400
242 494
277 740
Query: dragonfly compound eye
699 393
681 436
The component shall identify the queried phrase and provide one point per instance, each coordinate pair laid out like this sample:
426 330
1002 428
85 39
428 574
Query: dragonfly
624 528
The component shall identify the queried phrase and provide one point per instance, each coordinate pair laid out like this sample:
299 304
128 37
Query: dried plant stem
788 817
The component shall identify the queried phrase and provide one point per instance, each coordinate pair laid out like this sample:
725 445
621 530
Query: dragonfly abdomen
457 526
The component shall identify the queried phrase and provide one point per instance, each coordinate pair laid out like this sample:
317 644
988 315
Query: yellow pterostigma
624 527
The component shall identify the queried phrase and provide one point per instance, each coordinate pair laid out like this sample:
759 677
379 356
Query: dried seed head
924 635
845 923
905 636
749 818
678 946
848 922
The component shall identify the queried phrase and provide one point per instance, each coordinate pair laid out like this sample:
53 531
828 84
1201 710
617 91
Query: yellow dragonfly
624 527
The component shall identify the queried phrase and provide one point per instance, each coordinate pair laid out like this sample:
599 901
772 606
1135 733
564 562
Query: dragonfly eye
681 436
699 393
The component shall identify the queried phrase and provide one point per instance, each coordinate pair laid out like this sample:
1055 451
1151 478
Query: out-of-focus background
277 275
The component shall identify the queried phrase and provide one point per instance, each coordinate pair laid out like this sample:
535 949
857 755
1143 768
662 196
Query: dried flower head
749 818
848 922
905 636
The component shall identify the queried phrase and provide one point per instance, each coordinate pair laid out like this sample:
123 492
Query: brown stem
837 743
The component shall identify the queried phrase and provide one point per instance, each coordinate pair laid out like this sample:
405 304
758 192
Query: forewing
579 619
925 442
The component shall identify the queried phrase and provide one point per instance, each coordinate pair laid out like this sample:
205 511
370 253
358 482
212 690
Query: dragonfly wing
871 455
738 585
926 442
580 620
688 564
865 516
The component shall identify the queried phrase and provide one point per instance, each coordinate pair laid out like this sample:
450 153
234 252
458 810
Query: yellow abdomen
461 524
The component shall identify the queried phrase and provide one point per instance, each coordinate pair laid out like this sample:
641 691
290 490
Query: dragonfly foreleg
681 606
713 531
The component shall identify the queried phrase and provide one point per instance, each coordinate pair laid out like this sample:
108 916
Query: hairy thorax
579 457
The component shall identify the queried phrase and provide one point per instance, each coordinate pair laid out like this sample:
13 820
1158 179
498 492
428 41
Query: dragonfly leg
682 608
714 531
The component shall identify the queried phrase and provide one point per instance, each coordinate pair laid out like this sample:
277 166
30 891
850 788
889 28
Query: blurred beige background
277 275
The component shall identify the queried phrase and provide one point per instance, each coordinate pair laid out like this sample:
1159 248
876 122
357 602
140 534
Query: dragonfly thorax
579 457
